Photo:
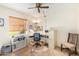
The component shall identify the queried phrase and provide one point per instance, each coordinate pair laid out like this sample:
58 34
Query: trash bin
6 49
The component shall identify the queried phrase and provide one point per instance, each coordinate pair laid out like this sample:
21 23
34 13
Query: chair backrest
77 45
37 37
72 38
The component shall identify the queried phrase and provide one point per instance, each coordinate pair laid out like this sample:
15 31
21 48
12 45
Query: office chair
37 38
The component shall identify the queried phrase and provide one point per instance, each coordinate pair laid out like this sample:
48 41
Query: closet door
16 24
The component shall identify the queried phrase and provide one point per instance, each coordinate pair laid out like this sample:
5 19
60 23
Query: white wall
78 19
4 13
63 18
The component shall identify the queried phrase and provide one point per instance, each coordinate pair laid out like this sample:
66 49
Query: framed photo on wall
31 27
1 21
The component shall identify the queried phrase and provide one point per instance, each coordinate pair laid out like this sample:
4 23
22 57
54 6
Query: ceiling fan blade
31 7
44 7
38 10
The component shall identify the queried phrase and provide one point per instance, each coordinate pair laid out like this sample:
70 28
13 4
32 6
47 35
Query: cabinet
52 39
18 43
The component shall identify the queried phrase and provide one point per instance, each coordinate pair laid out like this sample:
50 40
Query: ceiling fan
39 6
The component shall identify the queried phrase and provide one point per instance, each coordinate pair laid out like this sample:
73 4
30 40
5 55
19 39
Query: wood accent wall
17 24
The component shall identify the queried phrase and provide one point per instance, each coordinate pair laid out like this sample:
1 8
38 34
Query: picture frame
1 21
31 27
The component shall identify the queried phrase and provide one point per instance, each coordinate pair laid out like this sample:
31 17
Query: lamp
36 20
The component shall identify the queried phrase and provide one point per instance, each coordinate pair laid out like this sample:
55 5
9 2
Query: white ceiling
22 7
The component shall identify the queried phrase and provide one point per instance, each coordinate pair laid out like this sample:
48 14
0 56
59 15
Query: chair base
72 52
37 45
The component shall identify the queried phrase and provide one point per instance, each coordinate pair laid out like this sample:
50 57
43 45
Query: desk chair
37 38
